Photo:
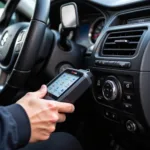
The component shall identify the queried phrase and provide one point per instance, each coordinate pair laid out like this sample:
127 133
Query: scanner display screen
62 84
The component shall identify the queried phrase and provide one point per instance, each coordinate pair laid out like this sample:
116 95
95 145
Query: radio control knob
110 90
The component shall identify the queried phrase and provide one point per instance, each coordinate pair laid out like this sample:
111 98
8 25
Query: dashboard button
128 97
112 63
107 114
111 115
100 98
102 63
96 62
118 64
99 62
128 85
127 65
106 63
122 64
131 126
127 107
98 84
115 64
114 116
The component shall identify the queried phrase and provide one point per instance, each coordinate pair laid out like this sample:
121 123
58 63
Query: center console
117 97
121 68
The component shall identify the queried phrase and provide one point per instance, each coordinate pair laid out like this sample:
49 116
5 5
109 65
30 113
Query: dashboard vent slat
119 49
119 37
122 43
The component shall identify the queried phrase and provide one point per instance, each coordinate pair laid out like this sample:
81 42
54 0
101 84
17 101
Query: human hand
43 114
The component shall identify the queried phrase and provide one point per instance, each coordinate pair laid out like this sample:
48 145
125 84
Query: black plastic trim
13 82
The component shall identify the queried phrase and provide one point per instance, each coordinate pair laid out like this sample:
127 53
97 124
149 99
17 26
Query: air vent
122 43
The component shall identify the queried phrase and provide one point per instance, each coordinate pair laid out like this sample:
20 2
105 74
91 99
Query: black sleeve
14 127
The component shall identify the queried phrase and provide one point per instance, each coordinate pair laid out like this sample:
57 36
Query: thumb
41 92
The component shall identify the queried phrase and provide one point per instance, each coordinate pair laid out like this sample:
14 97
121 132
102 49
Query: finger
60 106
41 92
64 107
44 135
62 118
51 128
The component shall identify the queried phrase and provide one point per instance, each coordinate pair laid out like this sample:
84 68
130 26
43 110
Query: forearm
14 127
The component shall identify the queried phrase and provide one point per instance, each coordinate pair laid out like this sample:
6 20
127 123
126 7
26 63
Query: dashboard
116 37
90 29
117 42
113 42
92 21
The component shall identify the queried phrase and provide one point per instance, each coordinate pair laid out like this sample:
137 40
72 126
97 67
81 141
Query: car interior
110 38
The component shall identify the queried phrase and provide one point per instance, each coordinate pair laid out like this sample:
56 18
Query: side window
1 5
13 19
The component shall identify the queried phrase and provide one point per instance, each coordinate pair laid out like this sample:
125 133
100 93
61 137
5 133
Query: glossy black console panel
125 108
127 94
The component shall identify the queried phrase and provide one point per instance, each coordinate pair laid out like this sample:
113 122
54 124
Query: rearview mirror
69 16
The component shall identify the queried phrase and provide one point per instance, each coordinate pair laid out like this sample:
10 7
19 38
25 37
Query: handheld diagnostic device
69 85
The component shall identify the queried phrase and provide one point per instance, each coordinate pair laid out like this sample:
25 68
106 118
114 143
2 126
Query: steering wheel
19 47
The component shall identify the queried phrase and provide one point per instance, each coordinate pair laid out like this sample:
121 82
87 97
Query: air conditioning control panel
114 91
117 96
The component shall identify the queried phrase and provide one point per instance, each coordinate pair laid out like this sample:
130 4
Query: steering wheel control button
131 126
110 90
4 39
18 47
20 37
128 85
